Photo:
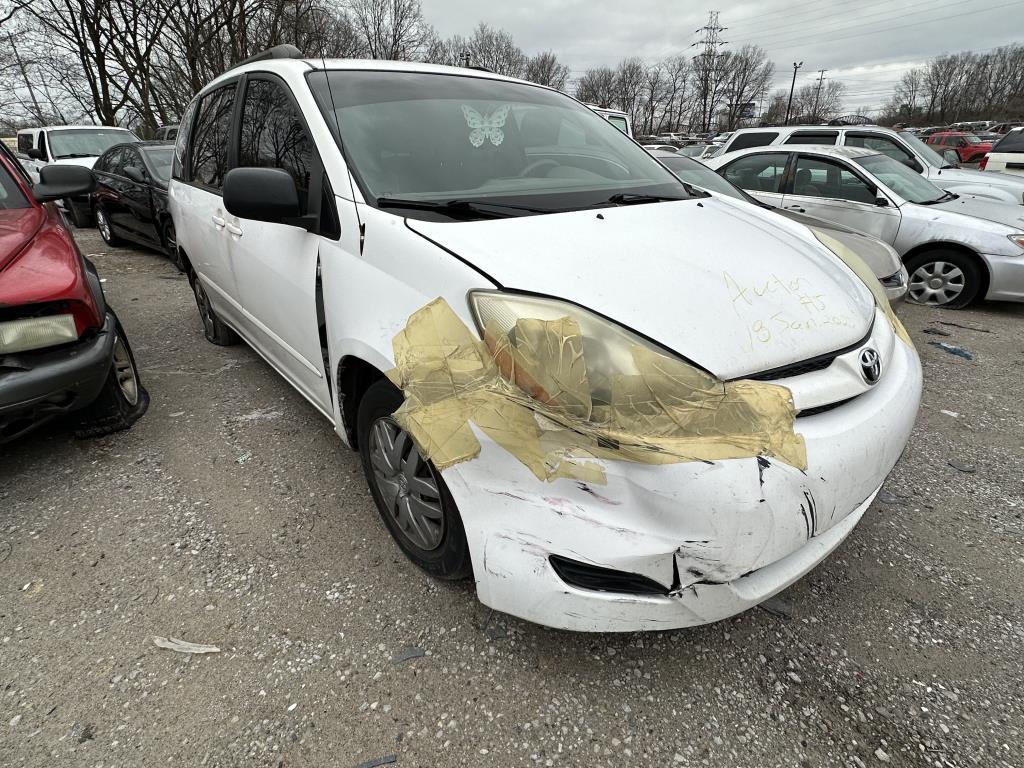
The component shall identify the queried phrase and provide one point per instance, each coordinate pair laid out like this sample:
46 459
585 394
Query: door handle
218 222
796 208
237 231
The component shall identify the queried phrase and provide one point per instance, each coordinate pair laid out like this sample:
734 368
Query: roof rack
283 51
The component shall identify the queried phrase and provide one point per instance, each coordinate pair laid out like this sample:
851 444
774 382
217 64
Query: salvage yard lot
232 515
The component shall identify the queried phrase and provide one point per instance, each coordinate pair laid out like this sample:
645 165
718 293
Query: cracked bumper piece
719 536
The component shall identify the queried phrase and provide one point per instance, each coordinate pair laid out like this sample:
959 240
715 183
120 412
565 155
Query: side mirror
59 181
36 154
264 194
881 200
135 173
951 157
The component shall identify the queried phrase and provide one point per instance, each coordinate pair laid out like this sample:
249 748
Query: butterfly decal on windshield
485 127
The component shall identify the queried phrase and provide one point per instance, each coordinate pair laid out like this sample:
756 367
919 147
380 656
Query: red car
62 349
968 147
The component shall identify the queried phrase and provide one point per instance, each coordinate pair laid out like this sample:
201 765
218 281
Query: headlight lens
36 333
607 348
1017 240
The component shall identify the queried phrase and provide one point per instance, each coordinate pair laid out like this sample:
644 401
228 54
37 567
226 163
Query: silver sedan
956 247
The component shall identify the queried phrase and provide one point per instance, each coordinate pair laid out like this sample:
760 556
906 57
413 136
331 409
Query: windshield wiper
947 195
481 207
76 154
632 198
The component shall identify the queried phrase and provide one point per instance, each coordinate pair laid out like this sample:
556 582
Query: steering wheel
528 170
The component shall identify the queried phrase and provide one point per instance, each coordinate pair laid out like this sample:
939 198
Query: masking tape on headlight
868 277
528 391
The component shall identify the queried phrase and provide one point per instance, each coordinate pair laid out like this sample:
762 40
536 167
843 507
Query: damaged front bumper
716 537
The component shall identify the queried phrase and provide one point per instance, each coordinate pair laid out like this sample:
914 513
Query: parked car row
966 244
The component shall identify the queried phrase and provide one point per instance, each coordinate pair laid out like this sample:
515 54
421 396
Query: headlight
1017 240
37 332
607 348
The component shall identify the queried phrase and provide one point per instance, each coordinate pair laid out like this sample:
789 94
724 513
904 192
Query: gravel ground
232 515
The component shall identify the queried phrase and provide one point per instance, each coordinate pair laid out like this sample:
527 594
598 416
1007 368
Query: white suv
900 145
619 402
68 145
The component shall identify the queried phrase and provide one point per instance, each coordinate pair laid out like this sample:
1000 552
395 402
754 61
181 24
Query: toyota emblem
870 365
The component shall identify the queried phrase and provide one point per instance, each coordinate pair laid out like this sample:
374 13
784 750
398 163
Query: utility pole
792 85
817 94
711 43
465 58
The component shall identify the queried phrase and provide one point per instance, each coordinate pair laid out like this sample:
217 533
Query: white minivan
614 400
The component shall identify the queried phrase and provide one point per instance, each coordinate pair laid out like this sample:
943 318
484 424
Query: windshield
923 151
908 184
440 138
701 176
86 142
160 159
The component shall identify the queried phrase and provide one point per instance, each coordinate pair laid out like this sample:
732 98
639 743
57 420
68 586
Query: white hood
732 288
990 184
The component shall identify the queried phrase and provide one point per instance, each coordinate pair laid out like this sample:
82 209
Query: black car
130 201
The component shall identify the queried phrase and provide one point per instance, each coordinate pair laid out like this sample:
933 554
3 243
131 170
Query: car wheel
106 229
170 241
216 330
943 278
410 494
123 399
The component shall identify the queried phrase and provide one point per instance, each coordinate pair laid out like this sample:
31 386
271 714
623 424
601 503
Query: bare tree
495 50
390 29
748 75
597 86
545 69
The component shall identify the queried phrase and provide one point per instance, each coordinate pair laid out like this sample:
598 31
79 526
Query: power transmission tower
711 42
817 94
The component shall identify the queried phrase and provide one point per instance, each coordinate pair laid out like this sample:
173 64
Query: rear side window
273 136
1011 142
11 195
886 145
211 136
813 137
747 140
758 173
619 122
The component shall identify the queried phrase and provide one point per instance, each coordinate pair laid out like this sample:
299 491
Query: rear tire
410 494
106 228
216 330
944 278
122 401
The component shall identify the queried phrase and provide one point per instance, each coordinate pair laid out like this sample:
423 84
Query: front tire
944 278
216 330
122 401
106 228
410 494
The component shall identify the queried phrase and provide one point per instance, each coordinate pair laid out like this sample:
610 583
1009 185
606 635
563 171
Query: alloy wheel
124 370
936 283
407 485
104 225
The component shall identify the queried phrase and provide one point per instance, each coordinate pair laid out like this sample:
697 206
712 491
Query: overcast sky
867 45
